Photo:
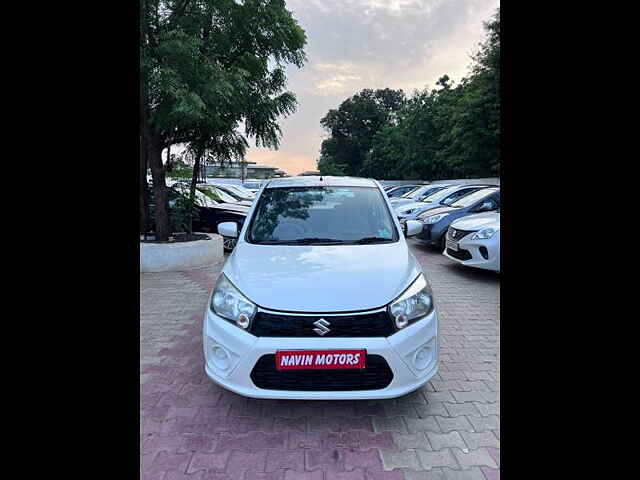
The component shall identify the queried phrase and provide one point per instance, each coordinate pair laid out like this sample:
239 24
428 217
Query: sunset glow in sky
356 44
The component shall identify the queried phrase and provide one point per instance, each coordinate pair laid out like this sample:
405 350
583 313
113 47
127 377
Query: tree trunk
159 190
192 188
144 189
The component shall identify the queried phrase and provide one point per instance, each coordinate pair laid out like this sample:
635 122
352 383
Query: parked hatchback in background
417 194
241 190
446 197
437 221
237 194
321 298
252 185
211 210
400 190
474 241
226 196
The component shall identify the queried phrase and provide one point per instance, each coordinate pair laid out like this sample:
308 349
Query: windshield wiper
303 241
364 241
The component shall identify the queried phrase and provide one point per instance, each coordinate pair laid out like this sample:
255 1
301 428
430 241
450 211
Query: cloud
356 44
335 78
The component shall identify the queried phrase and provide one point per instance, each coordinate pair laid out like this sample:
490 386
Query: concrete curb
176 257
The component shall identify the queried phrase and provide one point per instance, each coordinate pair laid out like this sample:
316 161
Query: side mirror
412 228
228 229
486 207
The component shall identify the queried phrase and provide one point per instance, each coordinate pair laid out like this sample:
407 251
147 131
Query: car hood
443 209
478 221
419 205
400 202
333 278
407 206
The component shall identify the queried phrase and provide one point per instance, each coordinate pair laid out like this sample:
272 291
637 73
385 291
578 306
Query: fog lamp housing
423 356
220 357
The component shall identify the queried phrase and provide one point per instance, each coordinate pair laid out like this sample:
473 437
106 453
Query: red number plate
320 359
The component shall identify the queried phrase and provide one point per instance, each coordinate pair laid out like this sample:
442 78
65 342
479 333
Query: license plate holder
333 359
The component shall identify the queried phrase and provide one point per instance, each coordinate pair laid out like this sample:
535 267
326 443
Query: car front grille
455 234
375 376
374 324
460 254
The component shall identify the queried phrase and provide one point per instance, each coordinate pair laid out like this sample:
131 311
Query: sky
357 44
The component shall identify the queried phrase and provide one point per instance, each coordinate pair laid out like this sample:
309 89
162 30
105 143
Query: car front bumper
432 233
477 260
243 350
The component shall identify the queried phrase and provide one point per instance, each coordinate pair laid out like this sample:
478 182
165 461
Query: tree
206 66
474 134
352 127
327 166
452 131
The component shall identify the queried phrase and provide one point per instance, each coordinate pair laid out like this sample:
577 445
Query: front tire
443 242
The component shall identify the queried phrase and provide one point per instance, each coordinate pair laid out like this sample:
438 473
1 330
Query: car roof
474 185
320 181
478 185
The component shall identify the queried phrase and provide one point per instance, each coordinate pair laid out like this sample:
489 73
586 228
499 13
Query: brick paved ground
192 429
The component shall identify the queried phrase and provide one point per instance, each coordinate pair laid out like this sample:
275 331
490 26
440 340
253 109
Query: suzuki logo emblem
322 325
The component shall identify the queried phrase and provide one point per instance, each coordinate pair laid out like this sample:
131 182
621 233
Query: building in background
243 170
309 173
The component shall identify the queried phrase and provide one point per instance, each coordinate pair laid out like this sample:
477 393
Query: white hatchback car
474 241
321 298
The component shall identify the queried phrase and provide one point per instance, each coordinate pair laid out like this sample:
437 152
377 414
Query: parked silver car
437 199
416 195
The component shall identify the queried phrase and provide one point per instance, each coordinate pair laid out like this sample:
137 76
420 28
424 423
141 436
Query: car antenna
320 177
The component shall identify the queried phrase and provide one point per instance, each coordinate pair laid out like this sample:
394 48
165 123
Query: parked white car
434 200
321 297
417 194
474 241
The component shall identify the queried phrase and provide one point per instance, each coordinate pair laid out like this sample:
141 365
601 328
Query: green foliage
181 213
448 132
328 166
209 192
205 68
352 128
182 173
209 66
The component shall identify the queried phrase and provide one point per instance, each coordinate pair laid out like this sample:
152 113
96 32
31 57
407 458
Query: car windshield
203 197
421 192
321 216
458 194
412 193
429 191
251 184
438 194
472 198
237 193
224 196
407 189
241 191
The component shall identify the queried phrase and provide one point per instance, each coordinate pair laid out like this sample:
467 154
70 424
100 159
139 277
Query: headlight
434 218
415 303
230 304
484 234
